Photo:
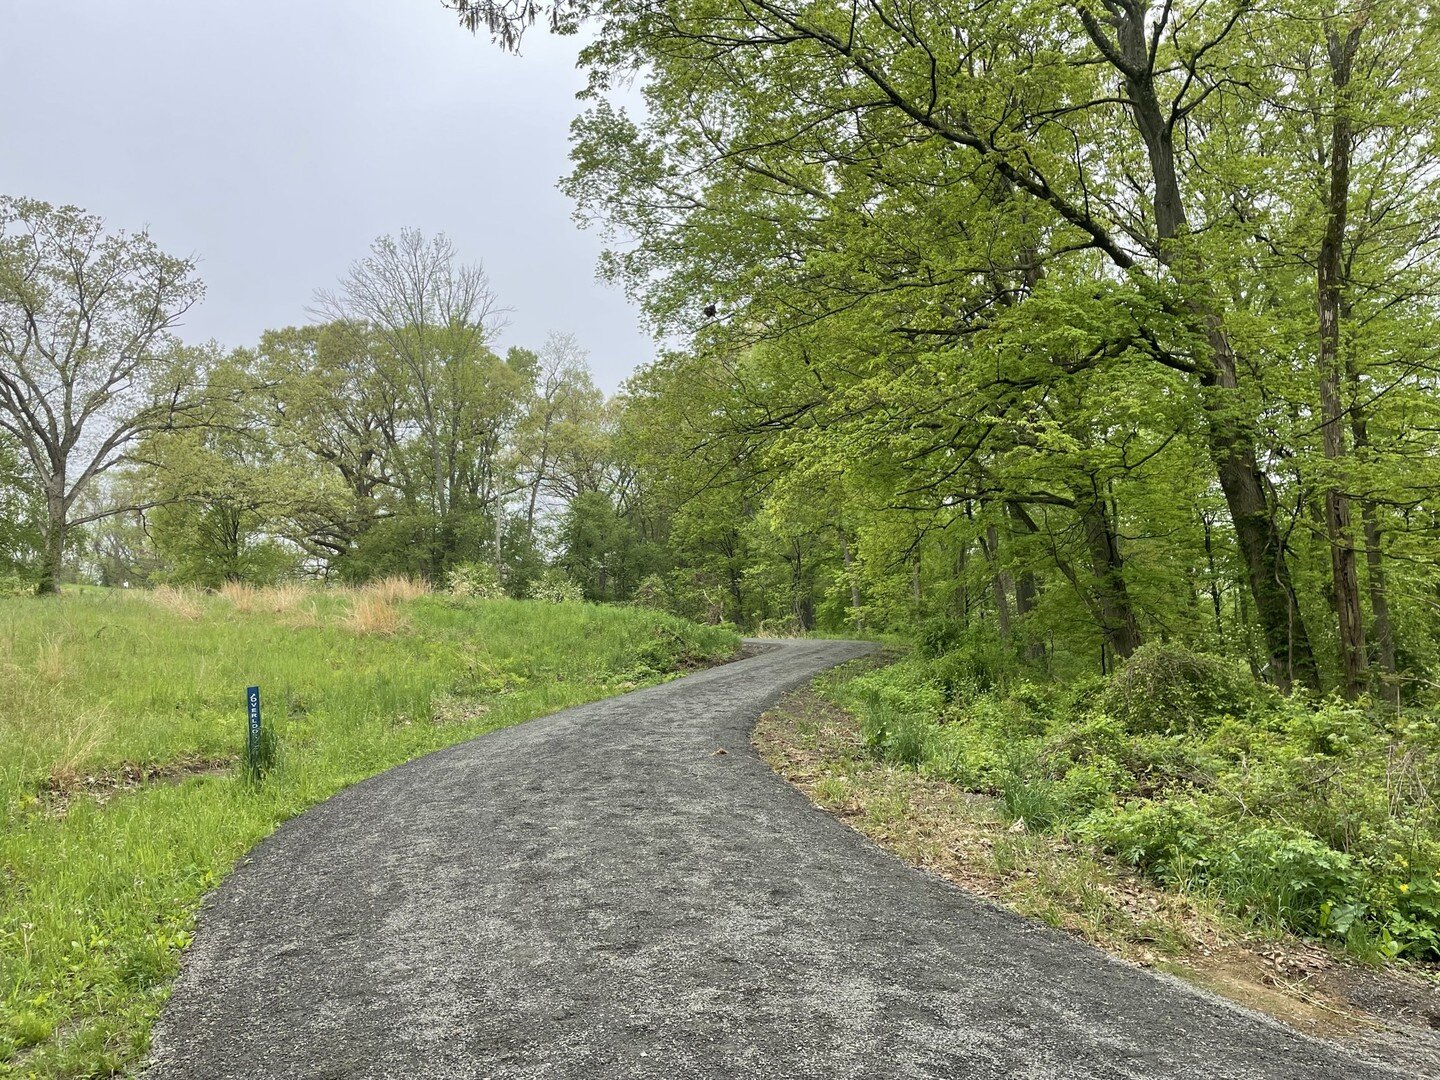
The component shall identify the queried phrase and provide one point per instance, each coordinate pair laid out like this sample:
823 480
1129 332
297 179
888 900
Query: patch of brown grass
397 589
457 709
180 602
75 748
277 599
372 614
67 783
239 595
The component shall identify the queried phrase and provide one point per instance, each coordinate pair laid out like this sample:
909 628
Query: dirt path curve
603 894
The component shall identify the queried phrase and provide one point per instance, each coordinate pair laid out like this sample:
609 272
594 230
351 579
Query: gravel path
604 894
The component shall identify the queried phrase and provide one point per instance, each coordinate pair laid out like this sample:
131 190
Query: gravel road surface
625 890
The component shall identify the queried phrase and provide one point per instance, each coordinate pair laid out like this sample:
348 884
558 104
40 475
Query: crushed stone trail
603 894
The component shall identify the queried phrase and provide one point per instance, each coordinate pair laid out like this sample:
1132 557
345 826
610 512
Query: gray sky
275 139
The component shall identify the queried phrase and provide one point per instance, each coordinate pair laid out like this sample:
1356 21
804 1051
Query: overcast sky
274 139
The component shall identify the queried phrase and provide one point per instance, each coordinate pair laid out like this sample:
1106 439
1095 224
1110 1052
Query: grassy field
121 800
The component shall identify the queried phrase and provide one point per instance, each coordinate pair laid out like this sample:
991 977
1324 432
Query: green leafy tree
88 366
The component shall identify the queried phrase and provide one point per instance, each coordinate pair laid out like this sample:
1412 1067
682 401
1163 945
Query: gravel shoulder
626 890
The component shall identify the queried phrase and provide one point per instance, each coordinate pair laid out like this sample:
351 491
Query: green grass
98 896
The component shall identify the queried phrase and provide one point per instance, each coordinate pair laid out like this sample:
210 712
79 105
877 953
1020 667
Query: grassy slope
98 894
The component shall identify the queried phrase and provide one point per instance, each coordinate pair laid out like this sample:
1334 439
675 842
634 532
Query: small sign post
252 705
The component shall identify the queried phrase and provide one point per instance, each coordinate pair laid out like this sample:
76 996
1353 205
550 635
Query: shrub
1156 837
964 754
1285 875
973 667
898 708
1319 818
475 581
554 587
1167 689
906 687
16 584
1411 915
937 635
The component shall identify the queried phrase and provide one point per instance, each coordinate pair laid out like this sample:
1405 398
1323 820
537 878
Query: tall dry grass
76 740
181 602
373 614
398 589
276 599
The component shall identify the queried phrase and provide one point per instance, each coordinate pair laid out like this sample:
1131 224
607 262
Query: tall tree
434 313
87 362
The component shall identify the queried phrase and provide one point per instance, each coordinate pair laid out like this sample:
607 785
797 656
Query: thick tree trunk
1231 439
1276 608
1117 616
999 584
57 523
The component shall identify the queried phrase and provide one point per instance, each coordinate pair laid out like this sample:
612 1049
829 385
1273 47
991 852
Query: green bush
1318 818
475 581
938 635
968 668
554 587
16 584
1167 689
1026 793
894 735
1162 838
1284 875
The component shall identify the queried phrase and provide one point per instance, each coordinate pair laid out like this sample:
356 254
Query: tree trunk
990 543
1214 578
962 589
1381 628
1117 616
56 526
802 604
499 563
850 578
1026 592
1329 278
1231 440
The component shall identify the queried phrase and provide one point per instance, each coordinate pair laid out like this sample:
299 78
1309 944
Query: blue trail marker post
252 745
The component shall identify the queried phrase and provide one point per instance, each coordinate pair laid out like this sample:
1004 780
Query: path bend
602 894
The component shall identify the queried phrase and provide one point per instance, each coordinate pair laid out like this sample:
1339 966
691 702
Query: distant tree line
387 437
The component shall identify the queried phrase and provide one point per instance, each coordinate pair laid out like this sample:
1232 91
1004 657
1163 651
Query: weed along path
625 890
